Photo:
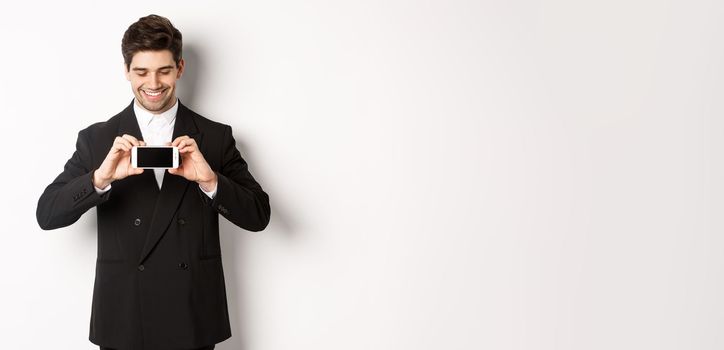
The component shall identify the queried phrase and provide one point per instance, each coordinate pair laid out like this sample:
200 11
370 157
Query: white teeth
149 93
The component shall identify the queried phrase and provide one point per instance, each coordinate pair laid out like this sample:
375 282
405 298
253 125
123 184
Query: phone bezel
175 156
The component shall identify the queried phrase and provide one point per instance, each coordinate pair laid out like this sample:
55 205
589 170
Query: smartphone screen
154 157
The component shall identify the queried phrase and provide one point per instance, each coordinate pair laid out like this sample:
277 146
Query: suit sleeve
239 198
71 193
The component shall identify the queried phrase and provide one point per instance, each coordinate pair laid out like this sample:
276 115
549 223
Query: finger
122 146
178 140
187 149
130 171
187 143
121 141
183 143
143 143
175 171
131 139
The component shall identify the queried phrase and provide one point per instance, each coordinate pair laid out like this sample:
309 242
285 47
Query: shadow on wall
234 259
191 78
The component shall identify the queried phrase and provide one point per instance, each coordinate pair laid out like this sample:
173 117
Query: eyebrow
136 69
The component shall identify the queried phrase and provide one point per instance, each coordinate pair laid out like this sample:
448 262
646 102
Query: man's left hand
193 164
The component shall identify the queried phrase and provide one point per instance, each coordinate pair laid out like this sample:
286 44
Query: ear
181 65
126 72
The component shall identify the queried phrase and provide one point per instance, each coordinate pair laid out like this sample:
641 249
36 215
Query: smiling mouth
152 94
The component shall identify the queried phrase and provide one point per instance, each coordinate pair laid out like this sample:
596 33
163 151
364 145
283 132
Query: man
159 281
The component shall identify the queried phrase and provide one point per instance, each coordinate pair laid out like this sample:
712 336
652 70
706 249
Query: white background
443 174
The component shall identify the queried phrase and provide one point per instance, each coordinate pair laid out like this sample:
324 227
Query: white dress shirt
157 130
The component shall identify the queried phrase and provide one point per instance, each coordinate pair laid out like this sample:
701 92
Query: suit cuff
103 190
87 194
211 194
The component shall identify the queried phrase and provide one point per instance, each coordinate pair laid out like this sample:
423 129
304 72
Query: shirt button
181 222
141 268
137 222
183 266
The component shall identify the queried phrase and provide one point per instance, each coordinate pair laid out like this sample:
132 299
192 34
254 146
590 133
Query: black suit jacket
159 280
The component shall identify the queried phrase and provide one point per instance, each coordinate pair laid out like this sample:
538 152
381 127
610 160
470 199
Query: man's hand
117 164
193 164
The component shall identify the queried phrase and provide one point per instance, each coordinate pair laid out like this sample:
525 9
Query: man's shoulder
109 126
204 124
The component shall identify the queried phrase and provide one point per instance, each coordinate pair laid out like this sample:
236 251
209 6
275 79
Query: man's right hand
117 164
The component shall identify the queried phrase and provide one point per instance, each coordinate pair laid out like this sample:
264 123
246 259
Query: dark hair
151 33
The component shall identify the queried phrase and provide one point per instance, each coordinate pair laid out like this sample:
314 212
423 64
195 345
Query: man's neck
139 105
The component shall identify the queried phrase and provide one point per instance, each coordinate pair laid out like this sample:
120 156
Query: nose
153 81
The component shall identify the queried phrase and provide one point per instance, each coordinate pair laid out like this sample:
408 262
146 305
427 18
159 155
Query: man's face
153 76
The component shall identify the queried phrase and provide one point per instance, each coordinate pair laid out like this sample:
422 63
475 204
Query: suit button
183 266
141 268
137 222
181 222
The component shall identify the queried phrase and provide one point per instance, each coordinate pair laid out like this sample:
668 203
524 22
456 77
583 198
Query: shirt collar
145 117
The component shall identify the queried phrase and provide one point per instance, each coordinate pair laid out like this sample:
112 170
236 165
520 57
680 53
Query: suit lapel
173 188
129 125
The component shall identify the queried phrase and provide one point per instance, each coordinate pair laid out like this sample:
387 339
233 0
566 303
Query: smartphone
155 157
